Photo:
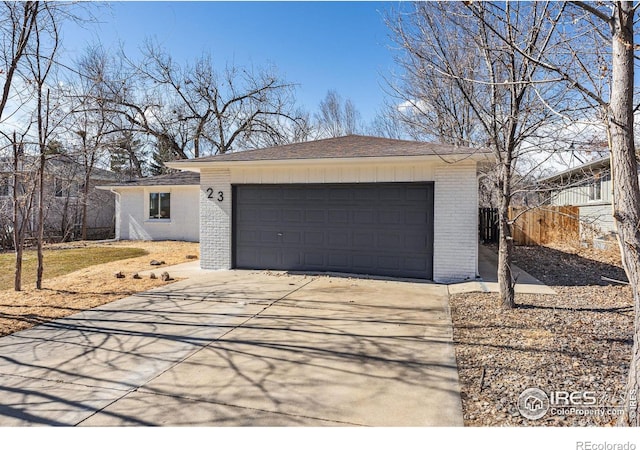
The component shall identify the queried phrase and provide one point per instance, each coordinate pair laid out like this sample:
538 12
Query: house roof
169 179
583 170
346 147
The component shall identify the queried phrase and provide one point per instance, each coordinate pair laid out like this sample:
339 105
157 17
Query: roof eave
137 186
195 165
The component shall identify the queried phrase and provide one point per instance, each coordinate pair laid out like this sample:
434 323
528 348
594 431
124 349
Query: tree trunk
40 270
85 201
18 229
505 250
626 191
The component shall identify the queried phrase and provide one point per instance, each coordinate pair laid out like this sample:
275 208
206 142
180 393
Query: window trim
595 186
147 206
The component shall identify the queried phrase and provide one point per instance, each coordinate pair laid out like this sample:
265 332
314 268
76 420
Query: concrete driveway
241 348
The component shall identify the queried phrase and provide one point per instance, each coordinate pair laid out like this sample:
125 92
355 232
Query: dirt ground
578 340
89 287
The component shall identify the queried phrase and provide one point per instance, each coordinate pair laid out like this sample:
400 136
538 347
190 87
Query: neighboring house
63 198
164 207
352 204
588 187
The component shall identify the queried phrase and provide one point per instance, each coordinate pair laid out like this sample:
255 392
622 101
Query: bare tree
41 60
194 110
602 71
483 92
17 20
337 117
90 123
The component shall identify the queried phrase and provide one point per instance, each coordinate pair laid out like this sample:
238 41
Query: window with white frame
159 205
595 188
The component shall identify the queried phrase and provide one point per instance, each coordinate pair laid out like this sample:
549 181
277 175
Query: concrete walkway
488 282
241 348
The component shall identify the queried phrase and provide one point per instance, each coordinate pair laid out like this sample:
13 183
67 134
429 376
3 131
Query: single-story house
65 205
587 186
351 204
164 207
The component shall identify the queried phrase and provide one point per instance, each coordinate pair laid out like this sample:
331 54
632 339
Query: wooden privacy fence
545 225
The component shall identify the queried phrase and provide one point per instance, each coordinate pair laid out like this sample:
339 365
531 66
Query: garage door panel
292 216
363 239
339 239
315 216
415 218
338 216
391 217
364 262
314 260
362 194
338 261
415 241
390 241
371 228
314 238
270 215
389 262
292 237
415 264
363 217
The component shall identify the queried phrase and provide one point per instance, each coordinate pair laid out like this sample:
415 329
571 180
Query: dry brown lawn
90 286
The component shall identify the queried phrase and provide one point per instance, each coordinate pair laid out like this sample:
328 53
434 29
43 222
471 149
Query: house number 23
210 194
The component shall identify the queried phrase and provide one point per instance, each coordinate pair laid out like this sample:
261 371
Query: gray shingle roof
170 179
352 146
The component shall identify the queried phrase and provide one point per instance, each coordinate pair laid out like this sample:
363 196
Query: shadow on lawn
557 268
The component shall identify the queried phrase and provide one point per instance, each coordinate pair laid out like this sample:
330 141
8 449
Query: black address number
210 193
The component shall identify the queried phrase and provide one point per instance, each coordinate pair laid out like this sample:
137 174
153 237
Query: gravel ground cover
576 341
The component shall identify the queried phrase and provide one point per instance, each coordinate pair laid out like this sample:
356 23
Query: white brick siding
215 219
455 228
455 206
132 211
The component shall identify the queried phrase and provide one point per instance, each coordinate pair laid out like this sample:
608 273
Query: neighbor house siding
455 206
596 219
579 195
134 223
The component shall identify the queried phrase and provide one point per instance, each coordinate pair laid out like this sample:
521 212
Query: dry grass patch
91 285
61 262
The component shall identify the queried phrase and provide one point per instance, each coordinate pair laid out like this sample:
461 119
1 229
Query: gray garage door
372 228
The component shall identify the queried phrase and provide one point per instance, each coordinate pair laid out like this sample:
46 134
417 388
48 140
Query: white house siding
596 219
579 195
455 206
132 206
595 215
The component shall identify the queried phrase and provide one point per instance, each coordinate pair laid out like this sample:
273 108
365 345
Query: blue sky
319 45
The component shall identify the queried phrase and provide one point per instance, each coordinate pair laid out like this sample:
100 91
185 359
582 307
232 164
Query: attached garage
354 204
371 228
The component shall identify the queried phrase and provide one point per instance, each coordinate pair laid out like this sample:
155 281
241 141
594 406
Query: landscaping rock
192 257
136 276
156 262
165 276
578 340
119 274
153 276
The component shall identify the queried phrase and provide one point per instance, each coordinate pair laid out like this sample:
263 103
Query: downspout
117 212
